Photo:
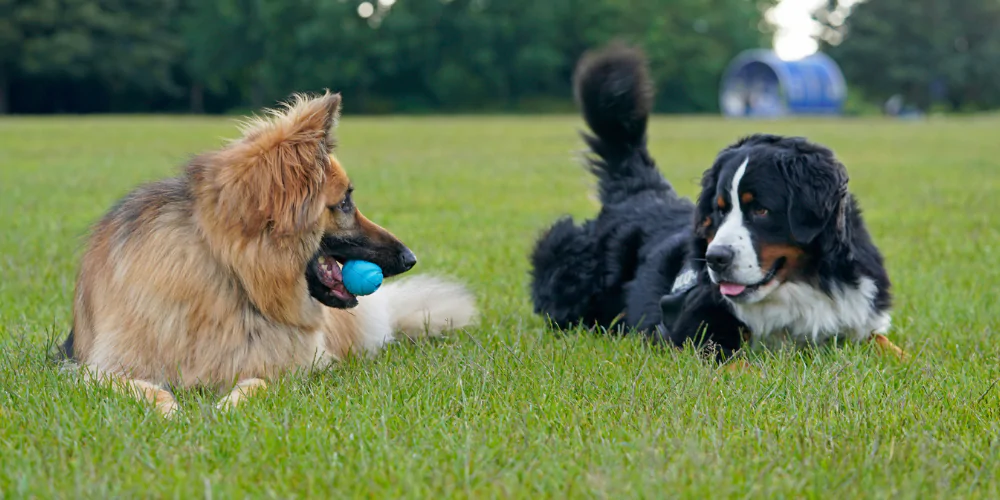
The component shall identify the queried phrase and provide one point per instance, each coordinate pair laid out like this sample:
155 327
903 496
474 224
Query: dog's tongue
731 289
329 272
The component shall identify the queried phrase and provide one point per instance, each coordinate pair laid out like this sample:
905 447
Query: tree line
385 55
933 53
72 56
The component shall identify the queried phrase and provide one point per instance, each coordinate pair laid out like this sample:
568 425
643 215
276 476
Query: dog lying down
774 249
229 274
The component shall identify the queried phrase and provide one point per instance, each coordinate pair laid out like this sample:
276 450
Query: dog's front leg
886 346
243 390
701 316
162 399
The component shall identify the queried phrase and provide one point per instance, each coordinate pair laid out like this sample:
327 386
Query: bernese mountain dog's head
784 243
763 206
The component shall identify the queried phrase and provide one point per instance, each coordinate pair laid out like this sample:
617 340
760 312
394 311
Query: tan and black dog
228 274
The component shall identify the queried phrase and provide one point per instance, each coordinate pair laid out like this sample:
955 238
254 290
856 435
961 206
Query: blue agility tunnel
758 83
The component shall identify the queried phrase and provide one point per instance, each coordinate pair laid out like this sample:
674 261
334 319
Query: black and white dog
773 251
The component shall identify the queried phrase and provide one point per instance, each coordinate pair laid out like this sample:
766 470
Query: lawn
508 408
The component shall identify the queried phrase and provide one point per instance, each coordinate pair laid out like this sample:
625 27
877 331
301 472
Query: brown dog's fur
199 280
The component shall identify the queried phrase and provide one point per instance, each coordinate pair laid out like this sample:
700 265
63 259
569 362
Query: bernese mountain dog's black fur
774 249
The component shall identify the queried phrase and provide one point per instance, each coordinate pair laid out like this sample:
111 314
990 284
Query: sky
796 27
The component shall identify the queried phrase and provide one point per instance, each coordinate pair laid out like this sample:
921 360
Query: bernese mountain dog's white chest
802 314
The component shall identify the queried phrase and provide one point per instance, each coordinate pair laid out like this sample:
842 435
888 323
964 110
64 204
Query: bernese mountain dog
773 251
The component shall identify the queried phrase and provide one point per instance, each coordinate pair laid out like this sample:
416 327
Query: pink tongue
731 289
329 272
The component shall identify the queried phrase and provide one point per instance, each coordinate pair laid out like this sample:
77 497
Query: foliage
924 50
408 55
119 44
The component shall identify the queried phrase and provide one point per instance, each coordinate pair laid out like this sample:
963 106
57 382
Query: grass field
508 409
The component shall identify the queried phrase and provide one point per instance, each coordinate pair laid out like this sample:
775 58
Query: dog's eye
760 212
345 205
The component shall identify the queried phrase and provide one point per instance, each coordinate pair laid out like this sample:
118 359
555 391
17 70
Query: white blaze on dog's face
734 262
734 234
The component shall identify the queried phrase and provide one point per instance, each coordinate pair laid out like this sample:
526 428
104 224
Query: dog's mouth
328 270
326 282
737 290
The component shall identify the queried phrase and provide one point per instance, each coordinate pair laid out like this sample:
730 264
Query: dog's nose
719 257
408 260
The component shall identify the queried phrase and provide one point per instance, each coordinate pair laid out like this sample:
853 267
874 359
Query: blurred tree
11 38
924 50
225 43
119 44
690 43
387 55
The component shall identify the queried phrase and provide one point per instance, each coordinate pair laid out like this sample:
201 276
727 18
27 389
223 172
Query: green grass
508 409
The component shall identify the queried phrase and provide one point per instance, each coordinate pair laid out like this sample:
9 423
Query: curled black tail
615 93
613 88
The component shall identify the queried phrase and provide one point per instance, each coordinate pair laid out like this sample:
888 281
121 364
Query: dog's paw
243 390
168 409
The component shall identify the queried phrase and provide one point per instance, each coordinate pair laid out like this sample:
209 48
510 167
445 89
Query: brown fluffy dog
227 275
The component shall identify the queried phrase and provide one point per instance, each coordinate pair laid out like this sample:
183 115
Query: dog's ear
703 210
817 194
272 178
705 205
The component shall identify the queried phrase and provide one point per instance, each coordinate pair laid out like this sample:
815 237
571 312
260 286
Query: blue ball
361 277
